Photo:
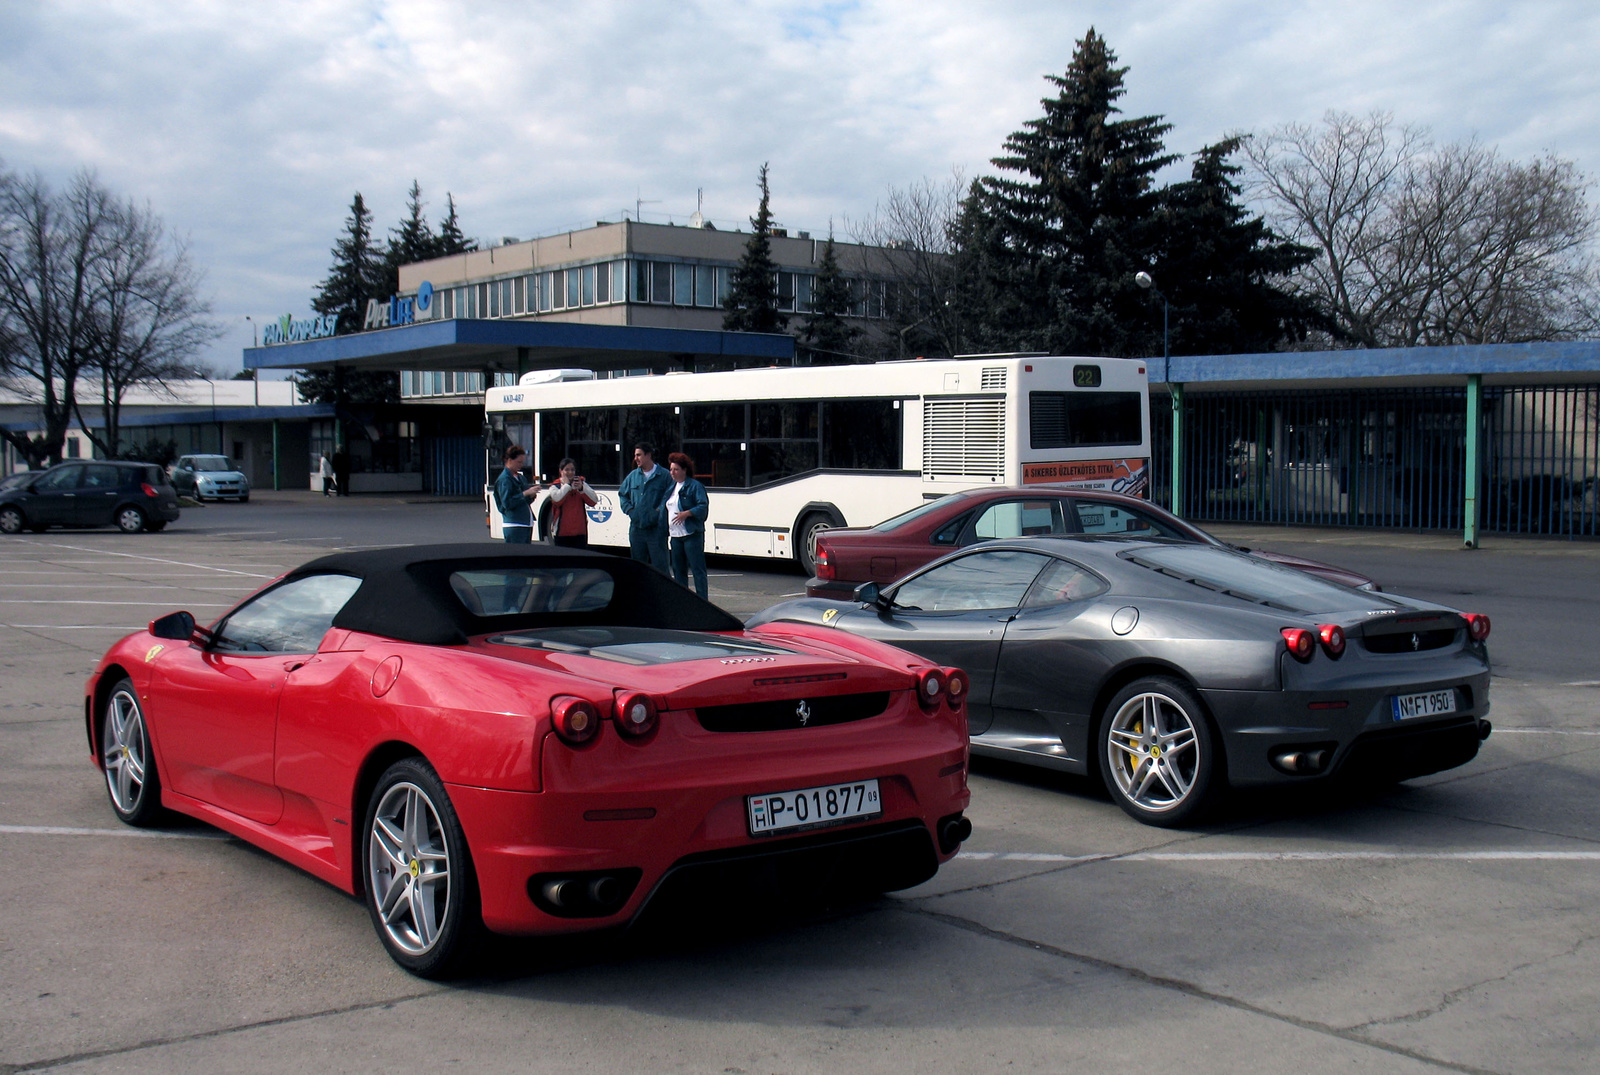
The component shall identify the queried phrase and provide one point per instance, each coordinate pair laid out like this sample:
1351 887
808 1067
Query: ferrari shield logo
829 614
802 712
152 653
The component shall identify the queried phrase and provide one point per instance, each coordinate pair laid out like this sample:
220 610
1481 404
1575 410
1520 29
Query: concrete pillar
1177 448
277 463
1473 479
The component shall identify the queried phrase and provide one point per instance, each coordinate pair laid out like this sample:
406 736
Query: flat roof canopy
1575 362
519 346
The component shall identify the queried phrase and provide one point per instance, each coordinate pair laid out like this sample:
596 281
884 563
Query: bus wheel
805 540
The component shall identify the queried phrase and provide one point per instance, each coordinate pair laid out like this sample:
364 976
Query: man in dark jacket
643 494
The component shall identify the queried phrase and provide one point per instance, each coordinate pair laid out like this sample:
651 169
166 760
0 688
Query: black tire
245 499
157 527
11 520
1169 775
403 905
132 783
130 519
805 536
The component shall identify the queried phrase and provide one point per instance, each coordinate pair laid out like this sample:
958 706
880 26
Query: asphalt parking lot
1451 925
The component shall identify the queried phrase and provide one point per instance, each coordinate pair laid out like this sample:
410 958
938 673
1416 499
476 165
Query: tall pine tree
1064 233
1217 265
826 337
357 274
410 241
450 239
752 302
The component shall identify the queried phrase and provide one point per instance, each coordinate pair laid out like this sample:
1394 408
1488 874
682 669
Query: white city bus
787 452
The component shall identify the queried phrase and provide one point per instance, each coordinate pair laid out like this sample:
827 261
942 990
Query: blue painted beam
1577 357
476 339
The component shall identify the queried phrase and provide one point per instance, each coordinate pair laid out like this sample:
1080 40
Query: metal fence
1389 457
452 466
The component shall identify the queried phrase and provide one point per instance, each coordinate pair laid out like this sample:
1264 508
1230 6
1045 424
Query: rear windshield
1239 575
1084 419
914 514
514 591
641 645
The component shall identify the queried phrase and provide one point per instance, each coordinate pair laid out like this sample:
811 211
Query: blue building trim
1579 359
426 345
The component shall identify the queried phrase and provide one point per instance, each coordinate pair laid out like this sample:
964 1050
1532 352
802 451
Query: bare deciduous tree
1429 245
89 288
914 226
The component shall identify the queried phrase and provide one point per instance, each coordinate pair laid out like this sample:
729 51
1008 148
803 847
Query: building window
705 285
546 292
74 448
641 282
602 283
558 279
588 285
724 284
786 291
574 288
619 281
802 292
505 298
683 285
494 300
660 282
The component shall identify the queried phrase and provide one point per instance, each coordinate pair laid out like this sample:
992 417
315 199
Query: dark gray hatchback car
133 497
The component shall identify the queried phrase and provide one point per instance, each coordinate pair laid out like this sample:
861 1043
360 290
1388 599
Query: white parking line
157 604
1287 856
1544 731
72 627
148 834
146 559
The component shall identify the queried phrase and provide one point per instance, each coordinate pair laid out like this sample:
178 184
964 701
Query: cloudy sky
249 126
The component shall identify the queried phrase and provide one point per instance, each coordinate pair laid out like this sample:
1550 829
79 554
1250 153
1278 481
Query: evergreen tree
752 302
1061 241
825 334
410 242
450 240
357 274
1217 263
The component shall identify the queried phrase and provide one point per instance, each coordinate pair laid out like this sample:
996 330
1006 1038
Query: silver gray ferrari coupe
1177 671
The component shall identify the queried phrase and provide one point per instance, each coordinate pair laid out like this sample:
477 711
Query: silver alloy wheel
123 751
11 521
408 868
1153 752
130 520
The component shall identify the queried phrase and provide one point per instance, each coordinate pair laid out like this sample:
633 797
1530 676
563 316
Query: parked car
1175 670
19 479
847 557
210 477
133 497
533 741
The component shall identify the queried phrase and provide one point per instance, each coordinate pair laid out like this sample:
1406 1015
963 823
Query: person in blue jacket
642 495
686 510
511 496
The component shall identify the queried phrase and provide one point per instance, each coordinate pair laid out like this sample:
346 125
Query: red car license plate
812 808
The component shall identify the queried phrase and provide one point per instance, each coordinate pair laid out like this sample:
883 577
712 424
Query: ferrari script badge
802 712
152 653
829 614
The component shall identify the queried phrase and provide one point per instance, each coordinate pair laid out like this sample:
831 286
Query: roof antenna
699 218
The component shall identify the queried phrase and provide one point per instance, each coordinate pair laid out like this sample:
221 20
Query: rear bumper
660 810
1363 736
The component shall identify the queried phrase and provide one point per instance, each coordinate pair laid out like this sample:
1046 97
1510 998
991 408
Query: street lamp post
1145 281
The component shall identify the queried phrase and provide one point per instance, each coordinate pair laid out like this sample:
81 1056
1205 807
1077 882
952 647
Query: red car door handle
298 662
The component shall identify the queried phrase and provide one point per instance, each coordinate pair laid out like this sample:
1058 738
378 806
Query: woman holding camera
569 507
687 508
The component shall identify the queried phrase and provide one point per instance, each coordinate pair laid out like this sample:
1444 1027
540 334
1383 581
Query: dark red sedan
847 557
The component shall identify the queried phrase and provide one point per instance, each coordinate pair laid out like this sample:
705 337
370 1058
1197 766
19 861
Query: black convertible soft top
406 593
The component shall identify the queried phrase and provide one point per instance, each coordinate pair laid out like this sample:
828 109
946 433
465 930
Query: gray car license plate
812 808
1426 704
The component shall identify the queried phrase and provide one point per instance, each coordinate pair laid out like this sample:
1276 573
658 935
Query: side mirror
177 626
867 593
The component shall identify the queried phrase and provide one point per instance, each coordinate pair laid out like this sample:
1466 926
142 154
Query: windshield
213 462
915 513
1251 579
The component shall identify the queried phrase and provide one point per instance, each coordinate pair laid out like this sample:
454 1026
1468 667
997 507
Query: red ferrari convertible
531 741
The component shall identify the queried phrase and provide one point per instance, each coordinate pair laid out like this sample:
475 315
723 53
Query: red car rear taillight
823 560
1332 636
955 687
636 713
1477 626
1302 643
931 688
576 720
149 490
